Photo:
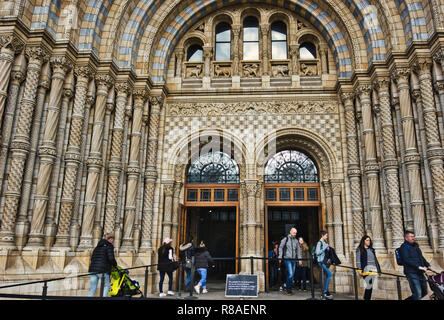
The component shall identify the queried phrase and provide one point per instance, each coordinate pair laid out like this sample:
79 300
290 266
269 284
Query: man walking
290 249
101 261
414 266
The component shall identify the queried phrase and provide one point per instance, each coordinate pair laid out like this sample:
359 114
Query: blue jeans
94 280
188 274
291 269
203 277
326 272
418 286
170 280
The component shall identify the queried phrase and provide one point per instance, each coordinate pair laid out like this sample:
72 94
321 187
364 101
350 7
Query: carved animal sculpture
308 70
250 70
280 70
194 72
222 71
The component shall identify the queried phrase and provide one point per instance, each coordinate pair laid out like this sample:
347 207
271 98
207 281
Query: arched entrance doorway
292 198
211 209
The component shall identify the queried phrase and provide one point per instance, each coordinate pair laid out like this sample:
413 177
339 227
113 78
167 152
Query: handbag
188 263
174 265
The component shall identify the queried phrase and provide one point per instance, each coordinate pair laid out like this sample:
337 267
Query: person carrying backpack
290 249
414 266
321 254
165 266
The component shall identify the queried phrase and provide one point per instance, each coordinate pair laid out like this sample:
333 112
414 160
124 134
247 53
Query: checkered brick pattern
253 128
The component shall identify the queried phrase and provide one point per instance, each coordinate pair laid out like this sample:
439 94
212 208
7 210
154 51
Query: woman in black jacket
101 261
202 260
165 254
367 264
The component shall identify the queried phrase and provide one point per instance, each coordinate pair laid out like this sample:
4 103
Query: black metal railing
250 260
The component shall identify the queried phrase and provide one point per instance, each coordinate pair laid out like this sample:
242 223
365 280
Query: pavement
216 291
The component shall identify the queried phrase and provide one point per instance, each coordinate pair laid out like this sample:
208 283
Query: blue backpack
398 256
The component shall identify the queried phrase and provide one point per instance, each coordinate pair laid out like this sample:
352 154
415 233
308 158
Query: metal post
321 270
145 289
398 287
312 279
191 297
251 265
355 283
45 290
102 284
179 296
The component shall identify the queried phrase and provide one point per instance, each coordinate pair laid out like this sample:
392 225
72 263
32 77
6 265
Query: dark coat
412 258
203 258
102 257
164 262
331 257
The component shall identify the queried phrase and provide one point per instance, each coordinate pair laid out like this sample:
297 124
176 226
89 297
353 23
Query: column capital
423 65
11 42
122 88
37 52
140 94
347 97
84 71
364 90
382 84
400 74
157 100
104 80
61 64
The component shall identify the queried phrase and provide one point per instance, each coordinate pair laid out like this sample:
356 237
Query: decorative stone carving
250 70
280 70
308 69
222 70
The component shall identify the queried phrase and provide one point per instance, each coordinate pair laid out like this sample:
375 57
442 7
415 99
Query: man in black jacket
414 266
101 261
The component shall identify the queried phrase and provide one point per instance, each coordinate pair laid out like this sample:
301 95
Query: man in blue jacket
414 266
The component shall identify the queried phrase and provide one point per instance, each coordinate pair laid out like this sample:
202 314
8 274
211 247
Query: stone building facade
107 106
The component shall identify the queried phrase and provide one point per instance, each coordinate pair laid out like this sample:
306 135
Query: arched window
307 50
251 39
278 40
291 166
213 167
223 42
194 53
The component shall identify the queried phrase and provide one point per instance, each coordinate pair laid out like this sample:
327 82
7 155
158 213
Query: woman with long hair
367 264
166 257
301 271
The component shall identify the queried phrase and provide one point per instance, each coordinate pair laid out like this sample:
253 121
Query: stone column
168 190
9 45
73 155
22 224
56 183
336 189
20 145
156 103
390 162
236 40
47 150
294 53
265 29
354 171
115 163
324 62
139 96
17 77
207 54
94 161
435 152
412 158
251 189
329 211
371 166
179 61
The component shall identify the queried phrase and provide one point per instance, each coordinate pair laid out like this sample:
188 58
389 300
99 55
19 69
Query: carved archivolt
281 107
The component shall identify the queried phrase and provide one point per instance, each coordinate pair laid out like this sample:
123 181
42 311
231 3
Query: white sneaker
197 288
170 293
204 290
162 294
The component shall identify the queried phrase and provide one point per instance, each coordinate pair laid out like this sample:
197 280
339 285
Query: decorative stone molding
281 107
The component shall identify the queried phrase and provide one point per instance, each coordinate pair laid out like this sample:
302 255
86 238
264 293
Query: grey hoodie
293 249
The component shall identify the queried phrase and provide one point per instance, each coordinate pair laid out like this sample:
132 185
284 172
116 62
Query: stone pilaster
22 223
353 171
47 150
336 189
115 163
251 189
435 153
156 103
371 166
294 54
73 155
17 77
179 61
329 210
95 161
139 96
411 158
236 43
20 145
168 190
9 46
390 163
